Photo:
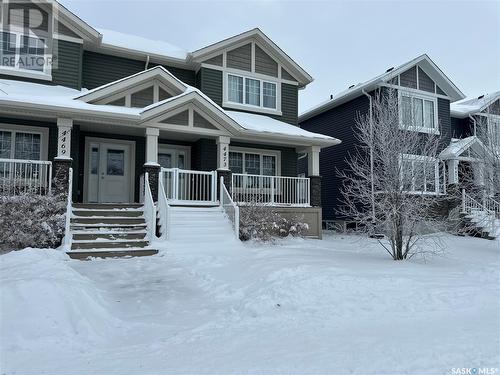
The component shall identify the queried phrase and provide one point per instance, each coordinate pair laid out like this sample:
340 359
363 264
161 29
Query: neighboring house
420 84
113 106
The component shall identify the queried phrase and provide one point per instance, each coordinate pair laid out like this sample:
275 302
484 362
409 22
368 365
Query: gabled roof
71 20
458 146
423 61
295 69
158 72
472 105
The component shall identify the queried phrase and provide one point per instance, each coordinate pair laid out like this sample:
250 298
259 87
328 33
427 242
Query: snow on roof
357 90
265 124
470 105
141 44
458 146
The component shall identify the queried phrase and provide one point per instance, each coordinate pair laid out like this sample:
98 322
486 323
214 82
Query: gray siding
286 75
143 98
69 64
201 122
264 64
240 58
444 122
178 119
210 83
28 15
439 91
289 103
425 83
409 78
217 60
99 69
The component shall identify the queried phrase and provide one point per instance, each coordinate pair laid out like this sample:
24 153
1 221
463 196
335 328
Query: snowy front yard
337 306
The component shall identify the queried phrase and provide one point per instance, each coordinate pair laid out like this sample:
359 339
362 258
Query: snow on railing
230 208
25 176
189 186
149 209
271 190
484 217
492 205
68 238
163 209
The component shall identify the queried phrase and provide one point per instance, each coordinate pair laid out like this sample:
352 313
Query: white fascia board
287 61
113 50
75 23
276 138
157 72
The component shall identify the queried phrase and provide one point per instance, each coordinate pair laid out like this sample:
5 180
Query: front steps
198 226
479 223
108 230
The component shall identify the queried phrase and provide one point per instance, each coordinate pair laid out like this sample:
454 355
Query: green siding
99 69
210 82
69 65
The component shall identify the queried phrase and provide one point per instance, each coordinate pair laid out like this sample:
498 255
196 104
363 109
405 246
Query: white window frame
262 153
421 159
177 150
259 108
42 131
423 97
46 74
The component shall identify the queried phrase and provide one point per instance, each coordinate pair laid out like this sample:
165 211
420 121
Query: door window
116 163
165 160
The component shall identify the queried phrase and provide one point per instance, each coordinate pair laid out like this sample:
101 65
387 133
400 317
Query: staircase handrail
149 209
228 205
163 209
68 238
493 205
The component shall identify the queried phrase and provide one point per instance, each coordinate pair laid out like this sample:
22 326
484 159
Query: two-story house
422 88
112 106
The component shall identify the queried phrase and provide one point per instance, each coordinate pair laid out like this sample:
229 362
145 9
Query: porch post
62 162
478 174
152 167
313 174
223 164
452 165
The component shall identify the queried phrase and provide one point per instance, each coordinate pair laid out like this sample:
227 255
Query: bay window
420 174
418 112
252 92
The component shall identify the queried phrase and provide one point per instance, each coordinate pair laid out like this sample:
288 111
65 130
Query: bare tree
391 185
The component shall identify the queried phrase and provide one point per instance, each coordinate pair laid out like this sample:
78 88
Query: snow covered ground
337 306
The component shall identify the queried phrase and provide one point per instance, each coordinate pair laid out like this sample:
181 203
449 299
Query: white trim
421 159
423 97
165 147
44 137
67 38
25 73
250 107
259 151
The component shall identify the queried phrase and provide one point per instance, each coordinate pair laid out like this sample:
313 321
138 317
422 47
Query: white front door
109 172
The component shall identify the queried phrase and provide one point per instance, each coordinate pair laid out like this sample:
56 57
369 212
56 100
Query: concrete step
88 235
108 213
107 206
114 253
118 244
107 220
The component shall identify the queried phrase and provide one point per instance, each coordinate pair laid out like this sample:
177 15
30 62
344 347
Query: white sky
339 43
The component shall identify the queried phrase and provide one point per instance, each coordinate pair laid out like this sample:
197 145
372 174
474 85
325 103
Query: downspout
474 122
147 62
371 152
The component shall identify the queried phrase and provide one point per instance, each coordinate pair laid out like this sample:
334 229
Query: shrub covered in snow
31 221
262 223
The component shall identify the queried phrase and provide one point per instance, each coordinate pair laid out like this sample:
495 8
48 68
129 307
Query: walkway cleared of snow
337 306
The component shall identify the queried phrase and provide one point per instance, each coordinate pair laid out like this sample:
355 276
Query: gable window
420 174
418 113
251 92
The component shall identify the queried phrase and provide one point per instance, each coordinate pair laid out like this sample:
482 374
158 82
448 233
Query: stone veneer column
60 176
315 191
153 171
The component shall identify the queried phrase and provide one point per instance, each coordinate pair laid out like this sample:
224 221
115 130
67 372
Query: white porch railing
230 208
25 176
149 209
271 190
189 187
163 209
492 205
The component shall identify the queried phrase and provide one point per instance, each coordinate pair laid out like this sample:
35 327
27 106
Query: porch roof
458 146
59 101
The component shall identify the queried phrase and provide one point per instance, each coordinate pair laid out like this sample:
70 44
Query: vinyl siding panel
240 58
99 69
444 122
210 83
409 78
461 127
69 65
425 83
339 122
264 64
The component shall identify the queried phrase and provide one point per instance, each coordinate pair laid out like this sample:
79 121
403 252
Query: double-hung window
419 174
418 112
252 92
